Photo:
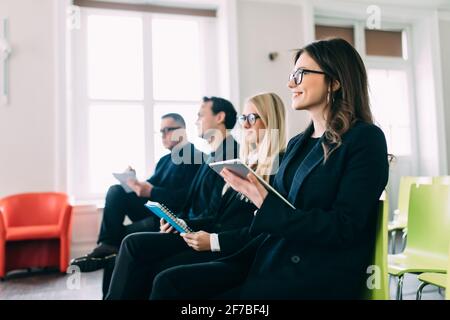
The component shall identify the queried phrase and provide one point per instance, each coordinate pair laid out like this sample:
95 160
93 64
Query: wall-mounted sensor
273 56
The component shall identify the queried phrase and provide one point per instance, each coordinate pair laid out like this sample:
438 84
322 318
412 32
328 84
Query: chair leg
404 236
420 289
400 287
393 238
390 281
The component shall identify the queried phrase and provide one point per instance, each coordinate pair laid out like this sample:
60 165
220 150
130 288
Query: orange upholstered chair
35 231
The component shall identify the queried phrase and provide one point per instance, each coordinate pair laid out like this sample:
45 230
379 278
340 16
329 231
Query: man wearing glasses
169 185
216 118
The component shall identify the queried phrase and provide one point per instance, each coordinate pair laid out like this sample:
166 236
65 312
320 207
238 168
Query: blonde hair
272 140
272 113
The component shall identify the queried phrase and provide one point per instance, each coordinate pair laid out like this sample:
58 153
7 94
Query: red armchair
35 231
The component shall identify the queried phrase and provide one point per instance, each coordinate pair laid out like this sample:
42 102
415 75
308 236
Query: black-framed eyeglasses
250 118
297 75
166 130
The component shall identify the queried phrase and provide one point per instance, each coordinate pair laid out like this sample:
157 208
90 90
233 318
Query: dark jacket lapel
290 154
308 164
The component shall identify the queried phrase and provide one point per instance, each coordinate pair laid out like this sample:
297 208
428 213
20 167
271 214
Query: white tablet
234 165
241 169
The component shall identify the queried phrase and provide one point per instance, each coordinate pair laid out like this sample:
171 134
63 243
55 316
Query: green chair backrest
380 291
403 193
429 219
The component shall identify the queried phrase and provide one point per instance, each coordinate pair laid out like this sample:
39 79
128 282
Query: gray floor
50 285
410 285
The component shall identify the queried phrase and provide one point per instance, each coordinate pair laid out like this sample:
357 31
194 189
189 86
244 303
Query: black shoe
97 259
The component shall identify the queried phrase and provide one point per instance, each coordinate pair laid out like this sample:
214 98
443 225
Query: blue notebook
163 212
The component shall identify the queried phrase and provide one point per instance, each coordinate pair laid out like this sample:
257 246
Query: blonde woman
143 255
263 140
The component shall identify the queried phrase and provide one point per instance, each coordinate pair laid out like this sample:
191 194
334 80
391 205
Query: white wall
27 124
32 137
265 27
444 33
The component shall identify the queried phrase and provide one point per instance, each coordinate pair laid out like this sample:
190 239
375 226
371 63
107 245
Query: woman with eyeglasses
143 255
333 173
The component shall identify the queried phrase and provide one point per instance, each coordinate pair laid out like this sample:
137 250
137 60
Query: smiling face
252 132
312 92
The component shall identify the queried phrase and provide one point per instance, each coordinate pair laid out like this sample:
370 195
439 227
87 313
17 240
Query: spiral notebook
163 212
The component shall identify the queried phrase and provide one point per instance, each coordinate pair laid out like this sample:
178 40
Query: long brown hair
350 102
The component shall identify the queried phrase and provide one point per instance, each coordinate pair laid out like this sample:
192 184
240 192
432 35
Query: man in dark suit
169 185
216 117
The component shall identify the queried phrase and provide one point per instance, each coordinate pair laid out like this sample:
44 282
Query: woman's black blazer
324 247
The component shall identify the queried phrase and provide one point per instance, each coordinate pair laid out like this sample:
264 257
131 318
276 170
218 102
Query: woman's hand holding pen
250 187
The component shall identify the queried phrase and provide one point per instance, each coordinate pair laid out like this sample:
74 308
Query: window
115 46
129 69
178 68
116 139
391 83
344 32
176 60
384 43
390 107
114 74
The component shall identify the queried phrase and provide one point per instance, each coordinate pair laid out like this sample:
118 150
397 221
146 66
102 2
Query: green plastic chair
381 291
441 280
437 279
400 221
428 234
